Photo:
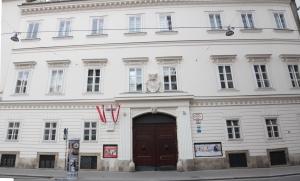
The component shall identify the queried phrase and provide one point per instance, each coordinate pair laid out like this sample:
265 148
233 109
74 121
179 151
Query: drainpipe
295 13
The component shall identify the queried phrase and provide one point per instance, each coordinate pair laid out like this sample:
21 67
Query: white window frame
214 23
22 82
99 29
272 128
137 27
169 76
50 131
225 76
55 84
142 79
34 31
66 32
261 76
94 78
279 22
233 129
247 24
293 75
14 129
164 25
90 130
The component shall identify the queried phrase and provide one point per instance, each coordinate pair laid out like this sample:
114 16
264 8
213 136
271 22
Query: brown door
155 146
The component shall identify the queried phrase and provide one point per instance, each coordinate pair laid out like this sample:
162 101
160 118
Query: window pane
94 124
90 72
97 72
47 125
87 124
53 125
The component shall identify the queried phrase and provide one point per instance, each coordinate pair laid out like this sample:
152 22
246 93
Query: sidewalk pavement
224 174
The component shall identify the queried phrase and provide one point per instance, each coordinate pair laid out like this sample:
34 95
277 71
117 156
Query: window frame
280 135
166 27
170 82
86 84
279 24
50 78
232 126
142 79
135 29
50 131
98 31
18 71
30 34
13 131
294 74
63 34
247 21
260 74
225 77
215 27
90 128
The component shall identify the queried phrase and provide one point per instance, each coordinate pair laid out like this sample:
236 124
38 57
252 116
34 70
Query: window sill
135 34
62 37
11 141
295 88
216 31
166 32
265 89
46 141
20 94
283 30
251 30
92 93
55 94
235 140
228 90
97 35
275 139
30 39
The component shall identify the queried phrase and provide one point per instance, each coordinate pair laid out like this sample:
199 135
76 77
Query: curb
26 176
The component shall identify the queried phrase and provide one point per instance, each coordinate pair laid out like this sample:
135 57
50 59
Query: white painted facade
195 52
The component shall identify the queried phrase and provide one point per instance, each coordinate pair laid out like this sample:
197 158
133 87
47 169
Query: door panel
155 145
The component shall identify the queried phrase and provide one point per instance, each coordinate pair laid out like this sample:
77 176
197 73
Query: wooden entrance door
155 146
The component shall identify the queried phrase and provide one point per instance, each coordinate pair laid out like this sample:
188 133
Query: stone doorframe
184 134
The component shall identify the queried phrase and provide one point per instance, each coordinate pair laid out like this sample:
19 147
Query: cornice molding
135 60
58 63
94 61
256 58
169 59
25 65
194 101
37 7
223 58
246 101
290 58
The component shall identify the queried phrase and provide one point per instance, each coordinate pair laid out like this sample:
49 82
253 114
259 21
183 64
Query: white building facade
189 97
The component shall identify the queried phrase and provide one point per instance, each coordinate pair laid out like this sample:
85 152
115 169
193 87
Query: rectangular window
90 131
247 19
280 21
233 129
272 128
50 131
22 82
135 24
97 26
294 75
135 80
64 28
13 131
225 76
170 79
165 21
93 80
261 75
56 81
215 21
32 30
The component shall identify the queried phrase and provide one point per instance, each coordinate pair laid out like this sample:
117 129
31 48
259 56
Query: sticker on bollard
73 159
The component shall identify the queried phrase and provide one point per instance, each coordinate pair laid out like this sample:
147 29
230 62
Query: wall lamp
15 37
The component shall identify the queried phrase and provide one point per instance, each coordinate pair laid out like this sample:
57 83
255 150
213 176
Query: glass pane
256 68
276 134
230 136
93 132
90 72
53 125
167 87
93 137
223 85
17 124
96 88
174 86
227 69
228 123
10 131
237 130
220 69
229 77
86 137
237 135
97 72
11 125
47 125
90 80
89 88
230 84
97 80
46 137
87 124
94 124
173 78
235 123
229 130
166 78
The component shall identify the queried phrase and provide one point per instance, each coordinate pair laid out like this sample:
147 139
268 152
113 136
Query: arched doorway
155 142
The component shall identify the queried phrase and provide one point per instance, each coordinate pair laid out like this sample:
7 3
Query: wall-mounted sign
197 117
110 151
211 149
